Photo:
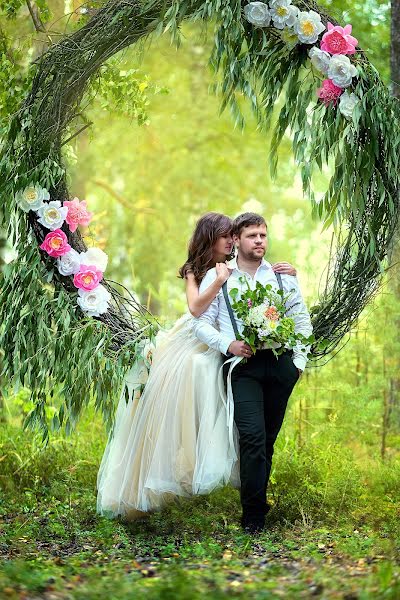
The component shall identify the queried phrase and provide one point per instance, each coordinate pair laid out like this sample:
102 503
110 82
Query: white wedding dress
176 439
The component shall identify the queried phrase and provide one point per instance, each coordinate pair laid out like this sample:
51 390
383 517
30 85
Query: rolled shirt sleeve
205 326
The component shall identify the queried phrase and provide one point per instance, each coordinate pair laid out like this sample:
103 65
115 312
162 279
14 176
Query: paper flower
341 71
32 197
337 40
52 215
319 59
56 243
69 263
329 92
88 277
281 13
347 103
308 27
257 14
291 20
77 213
94 302
290 38
96 257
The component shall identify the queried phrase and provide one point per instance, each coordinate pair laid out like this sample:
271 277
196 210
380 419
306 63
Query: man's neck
248 265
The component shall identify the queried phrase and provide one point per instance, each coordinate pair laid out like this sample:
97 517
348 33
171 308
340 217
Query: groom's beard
256 254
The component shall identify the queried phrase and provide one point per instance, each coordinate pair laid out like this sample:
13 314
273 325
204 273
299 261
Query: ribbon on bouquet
229 403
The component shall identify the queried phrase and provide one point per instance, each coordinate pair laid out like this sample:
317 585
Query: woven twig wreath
260 59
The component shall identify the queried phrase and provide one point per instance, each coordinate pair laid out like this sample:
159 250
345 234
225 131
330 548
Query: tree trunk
395 48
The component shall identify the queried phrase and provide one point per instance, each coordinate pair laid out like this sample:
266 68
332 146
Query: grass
333 531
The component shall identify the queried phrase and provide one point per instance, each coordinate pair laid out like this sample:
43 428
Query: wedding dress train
172 441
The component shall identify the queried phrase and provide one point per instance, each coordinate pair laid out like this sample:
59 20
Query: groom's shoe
253 526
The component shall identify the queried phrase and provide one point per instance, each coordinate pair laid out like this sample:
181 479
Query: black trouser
261 389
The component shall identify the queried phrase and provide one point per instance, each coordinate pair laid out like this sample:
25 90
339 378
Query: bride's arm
198 303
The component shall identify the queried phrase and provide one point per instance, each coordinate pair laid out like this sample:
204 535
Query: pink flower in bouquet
87 278
337 40
77 213
249 302
56 243
329 92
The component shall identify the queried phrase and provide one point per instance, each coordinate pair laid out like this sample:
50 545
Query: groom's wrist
227 351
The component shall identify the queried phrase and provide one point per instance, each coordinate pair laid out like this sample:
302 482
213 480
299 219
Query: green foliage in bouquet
265 315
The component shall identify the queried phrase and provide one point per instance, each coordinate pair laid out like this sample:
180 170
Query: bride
172 440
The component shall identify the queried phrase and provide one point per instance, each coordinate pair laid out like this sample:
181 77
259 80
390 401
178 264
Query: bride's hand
284 268
223 272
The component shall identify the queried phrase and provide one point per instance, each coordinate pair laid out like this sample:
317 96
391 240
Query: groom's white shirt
205 326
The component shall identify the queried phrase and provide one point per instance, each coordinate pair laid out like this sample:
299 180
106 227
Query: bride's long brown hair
209 228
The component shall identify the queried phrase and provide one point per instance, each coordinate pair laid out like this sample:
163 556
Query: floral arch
338 111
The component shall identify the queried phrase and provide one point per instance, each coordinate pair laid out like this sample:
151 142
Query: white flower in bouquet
258 14
320 59
94 302
96 257
347 103
341 71
282 13
308 27
267 328
32 197
52 215
69 263
256 316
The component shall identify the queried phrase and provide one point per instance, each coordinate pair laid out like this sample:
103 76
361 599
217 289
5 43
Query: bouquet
263 312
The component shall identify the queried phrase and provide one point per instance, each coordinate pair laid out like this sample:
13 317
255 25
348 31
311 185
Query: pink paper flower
56 243
87 278
329 93
337 40
77 213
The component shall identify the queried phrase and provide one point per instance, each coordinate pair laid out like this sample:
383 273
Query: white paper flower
257 14
95 302
347 103
52 215
290 38
96 257
320 59
281 13
341 71
69 263
293 16
32 197
308 27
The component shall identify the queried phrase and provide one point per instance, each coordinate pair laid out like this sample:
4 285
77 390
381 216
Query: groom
262 385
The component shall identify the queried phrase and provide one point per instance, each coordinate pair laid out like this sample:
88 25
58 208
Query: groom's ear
235 239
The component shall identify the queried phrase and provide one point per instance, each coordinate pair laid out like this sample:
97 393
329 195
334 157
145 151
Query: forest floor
54 546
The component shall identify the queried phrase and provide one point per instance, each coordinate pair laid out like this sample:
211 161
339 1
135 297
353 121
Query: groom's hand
238 348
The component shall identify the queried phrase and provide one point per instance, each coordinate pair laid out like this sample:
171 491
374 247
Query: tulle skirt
173 440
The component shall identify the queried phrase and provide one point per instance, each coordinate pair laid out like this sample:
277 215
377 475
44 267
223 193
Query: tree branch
35 17
77 133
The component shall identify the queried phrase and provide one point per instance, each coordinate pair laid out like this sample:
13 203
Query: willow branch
35 17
